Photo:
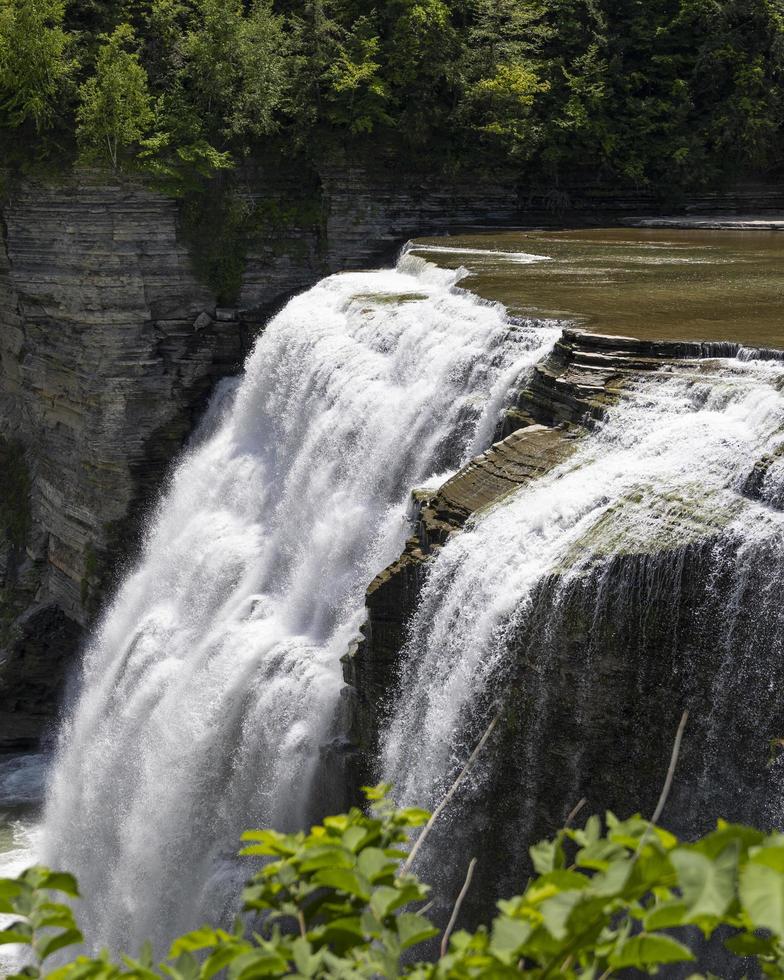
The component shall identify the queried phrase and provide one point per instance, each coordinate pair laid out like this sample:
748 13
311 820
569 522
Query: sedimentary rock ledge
567 393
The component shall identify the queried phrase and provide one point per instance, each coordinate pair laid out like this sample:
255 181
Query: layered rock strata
568 392
110 345
602 665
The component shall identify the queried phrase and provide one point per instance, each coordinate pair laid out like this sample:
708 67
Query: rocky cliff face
109 348
568 391
600 670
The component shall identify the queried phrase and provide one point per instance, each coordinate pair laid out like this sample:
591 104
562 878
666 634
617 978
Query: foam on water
669 465
213 677
22 780
523 258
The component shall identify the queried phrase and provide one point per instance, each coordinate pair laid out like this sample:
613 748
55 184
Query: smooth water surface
668 284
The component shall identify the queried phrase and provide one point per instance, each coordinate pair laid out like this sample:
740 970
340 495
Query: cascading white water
212 680
669 466
22 779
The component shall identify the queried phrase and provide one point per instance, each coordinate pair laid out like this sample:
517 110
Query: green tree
165 27
315 46
665 94
502 105
509 30
358 94
236 68
504 73
736 77
178 154
423 53
35 65
114 110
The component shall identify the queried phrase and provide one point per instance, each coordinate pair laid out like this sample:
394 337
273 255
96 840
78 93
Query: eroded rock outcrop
104 368
567 393
110 346
676 608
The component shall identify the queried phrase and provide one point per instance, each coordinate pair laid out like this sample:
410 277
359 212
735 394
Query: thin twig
676 751
676 748
450 793
458 905
574 811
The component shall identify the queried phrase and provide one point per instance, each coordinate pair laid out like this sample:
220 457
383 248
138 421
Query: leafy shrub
35 62
335 902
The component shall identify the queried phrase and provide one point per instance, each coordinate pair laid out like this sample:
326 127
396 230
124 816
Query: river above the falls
214 673
651 283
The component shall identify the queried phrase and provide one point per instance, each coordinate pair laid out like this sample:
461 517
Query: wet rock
594 687
759 486
109 349
34 662
567 394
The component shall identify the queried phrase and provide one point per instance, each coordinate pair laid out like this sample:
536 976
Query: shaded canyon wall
599 671
110 347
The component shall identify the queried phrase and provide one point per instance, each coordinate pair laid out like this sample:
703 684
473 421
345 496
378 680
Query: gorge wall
668 601
110 346
571 389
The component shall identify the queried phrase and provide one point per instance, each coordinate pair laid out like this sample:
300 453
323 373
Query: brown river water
668 284
648 283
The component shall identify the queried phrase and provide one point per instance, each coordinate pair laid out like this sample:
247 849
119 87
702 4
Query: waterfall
212 679
642 576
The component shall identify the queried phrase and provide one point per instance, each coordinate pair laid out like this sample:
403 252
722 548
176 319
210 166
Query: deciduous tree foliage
235 67
114 109
34 61
658 93
336 903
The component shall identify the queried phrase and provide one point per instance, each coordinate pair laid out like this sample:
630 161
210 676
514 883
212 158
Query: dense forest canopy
646 91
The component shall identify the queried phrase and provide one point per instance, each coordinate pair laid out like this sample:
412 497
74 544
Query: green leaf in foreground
707 886
650 949
762 895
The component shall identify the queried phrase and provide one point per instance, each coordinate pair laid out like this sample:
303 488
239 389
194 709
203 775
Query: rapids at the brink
212 679
668 469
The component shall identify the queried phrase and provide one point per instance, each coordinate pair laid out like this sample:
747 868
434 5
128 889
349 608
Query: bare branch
574 811
458 905
676 751
450 793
